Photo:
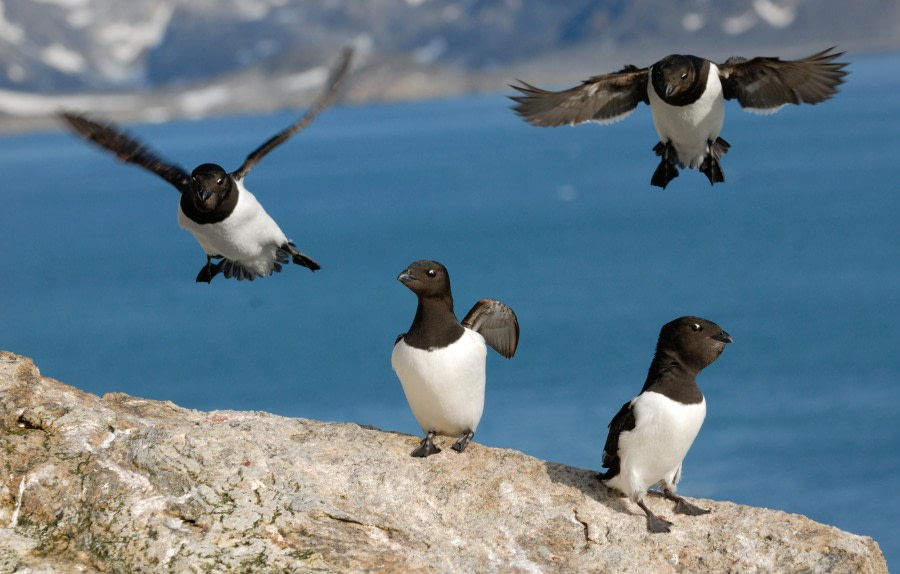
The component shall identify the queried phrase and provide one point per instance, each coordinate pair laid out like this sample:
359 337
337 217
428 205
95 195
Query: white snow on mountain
9 31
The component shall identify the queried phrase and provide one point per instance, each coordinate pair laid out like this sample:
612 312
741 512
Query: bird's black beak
203 193
405 277
723 337
669 89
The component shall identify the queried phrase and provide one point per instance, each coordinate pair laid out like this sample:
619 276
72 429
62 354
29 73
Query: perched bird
686 95
225 218
441 362
651 434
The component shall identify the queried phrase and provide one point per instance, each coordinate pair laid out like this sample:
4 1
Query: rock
122 484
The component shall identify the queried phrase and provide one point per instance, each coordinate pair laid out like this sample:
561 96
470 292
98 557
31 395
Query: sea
796 255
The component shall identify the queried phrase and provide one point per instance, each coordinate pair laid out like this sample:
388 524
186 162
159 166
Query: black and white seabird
686 95
441 362
225 218
651 434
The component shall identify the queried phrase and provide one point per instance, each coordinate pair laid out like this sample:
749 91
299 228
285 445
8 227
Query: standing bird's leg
655 524
463 442
426 447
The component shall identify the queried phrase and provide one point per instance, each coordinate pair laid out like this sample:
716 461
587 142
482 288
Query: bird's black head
210 185
695 342
679 80
427 279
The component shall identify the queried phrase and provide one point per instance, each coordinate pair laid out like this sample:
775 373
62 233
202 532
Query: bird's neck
435 324
669 376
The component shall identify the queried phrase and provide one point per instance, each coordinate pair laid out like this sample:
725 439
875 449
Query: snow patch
65 60
692 22
739 24
24 104
452 13
431 51
15 73
196 102
250 10
80 17
775 15
67 4
126 42
307 80
9 31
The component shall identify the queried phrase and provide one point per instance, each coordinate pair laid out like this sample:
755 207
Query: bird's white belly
249 236
653 451
444 387
690 128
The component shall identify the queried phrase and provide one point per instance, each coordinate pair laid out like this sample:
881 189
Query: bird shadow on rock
587 482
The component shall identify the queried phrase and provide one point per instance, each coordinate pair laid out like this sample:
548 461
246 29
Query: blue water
797 256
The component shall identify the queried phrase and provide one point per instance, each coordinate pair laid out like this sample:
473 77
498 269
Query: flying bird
239 237
686 95
441 362
651 434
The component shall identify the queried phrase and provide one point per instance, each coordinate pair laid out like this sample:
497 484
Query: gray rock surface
122 484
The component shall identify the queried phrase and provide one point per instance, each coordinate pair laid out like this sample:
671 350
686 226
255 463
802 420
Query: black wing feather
497 323
603 99
332 87
769 83
126 148
623 421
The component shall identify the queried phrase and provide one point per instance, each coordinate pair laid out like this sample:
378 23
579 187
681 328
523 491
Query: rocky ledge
123 484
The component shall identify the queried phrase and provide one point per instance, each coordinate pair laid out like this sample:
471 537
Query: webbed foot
666 170
463 442
208 271
685 507
655 524
426 447
288 249
710 166
682 506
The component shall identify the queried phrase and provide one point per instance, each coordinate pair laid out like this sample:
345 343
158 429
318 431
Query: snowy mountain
269 53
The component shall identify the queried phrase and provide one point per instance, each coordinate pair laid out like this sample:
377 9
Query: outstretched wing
497 323
604 99
126 148
332 87
623 421
764 85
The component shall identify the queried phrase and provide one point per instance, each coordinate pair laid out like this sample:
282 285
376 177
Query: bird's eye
431 273
684 76
219 181
696 327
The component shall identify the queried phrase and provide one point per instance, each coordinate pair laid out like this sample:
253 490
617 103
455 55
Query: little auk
441 362
651 434
226 219
686 95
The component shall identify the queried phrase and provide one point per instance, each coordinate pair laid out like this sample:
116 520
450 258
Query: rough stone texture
122 484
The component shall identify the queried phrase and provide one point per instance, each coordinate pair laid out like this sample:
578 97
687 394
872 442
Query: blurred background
796 255
159 59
